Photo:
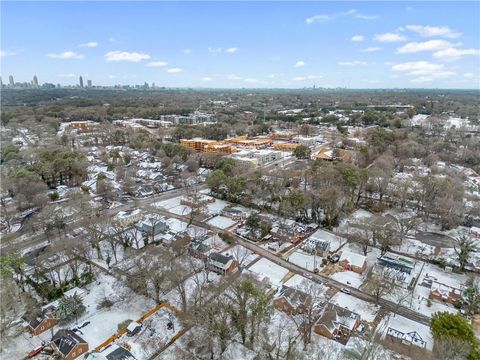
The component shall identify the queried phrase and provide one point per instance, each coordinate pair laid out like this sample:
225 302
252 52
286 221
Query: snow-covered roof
353 258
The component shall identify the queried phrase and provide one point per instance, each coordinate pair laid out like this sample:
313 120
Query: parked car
345 290
307 275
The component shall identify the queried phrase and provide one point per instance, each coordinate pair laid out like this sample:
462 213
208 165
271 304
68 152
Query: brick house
444 293
292 301
43 321
353 261
68 344
221 264
337 323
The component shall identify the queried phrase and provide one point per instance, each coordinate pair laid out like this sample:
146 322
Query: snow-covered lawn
266 269
305 260
349 278
216 207
221 222
366 310
416 248
181 210
168 203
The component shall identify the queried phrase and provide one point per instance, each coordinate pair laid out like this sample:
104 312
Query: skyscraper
35 81
89 83
1 83
81 81
10 81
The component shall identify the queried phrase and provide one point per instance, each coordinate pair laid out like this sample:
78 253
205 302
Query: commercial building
198 144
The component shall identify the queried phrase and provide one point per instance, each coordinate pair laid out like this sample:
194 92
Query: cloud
423 70
314 76
321 18
430 31
251 81
469 75
366 17
66 55
357 38
231 50
157 63
300 63
233 77
91 44
430 45
453 53
174 70
206 78
67 75
299 78
318 18
4 53
271 76
353 63
371 49
126 56
389 37
111 76
187 51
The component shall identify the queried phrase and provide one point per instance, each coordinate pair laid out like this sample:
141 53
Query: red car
35 352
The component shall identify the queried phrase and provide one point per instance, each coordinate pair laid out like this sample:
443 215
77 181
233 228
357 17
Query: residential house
292 301
353 261
444 293
221 264
337 323
287 231
396 262
153 225
115 352
43 321
129 217
317 246
410 338
68 344
329 154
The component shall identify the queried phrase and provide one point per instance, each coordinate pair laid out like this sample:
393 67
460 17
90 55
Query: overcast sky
244 44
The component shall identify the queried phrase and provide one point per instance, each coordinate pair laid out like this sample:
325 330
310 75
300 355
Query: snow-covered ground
349 278
181 210
305 260
168 203
221 222
264 268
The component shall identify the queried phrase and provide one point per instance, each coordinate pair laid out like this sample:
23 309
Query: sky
244 44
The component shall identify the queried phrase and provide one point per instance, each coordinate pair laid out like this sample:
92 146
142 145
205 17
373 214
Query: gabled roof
66 340
220 258
335 317
353 258
293 296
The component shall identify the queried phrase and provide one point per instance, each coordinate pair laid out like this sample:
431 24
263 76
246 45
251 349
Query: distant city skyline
243 45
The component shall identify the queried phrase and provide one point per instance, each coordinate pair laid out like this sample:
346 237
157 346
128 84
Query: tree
471 297
302 152
70 307
463 248
454 329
